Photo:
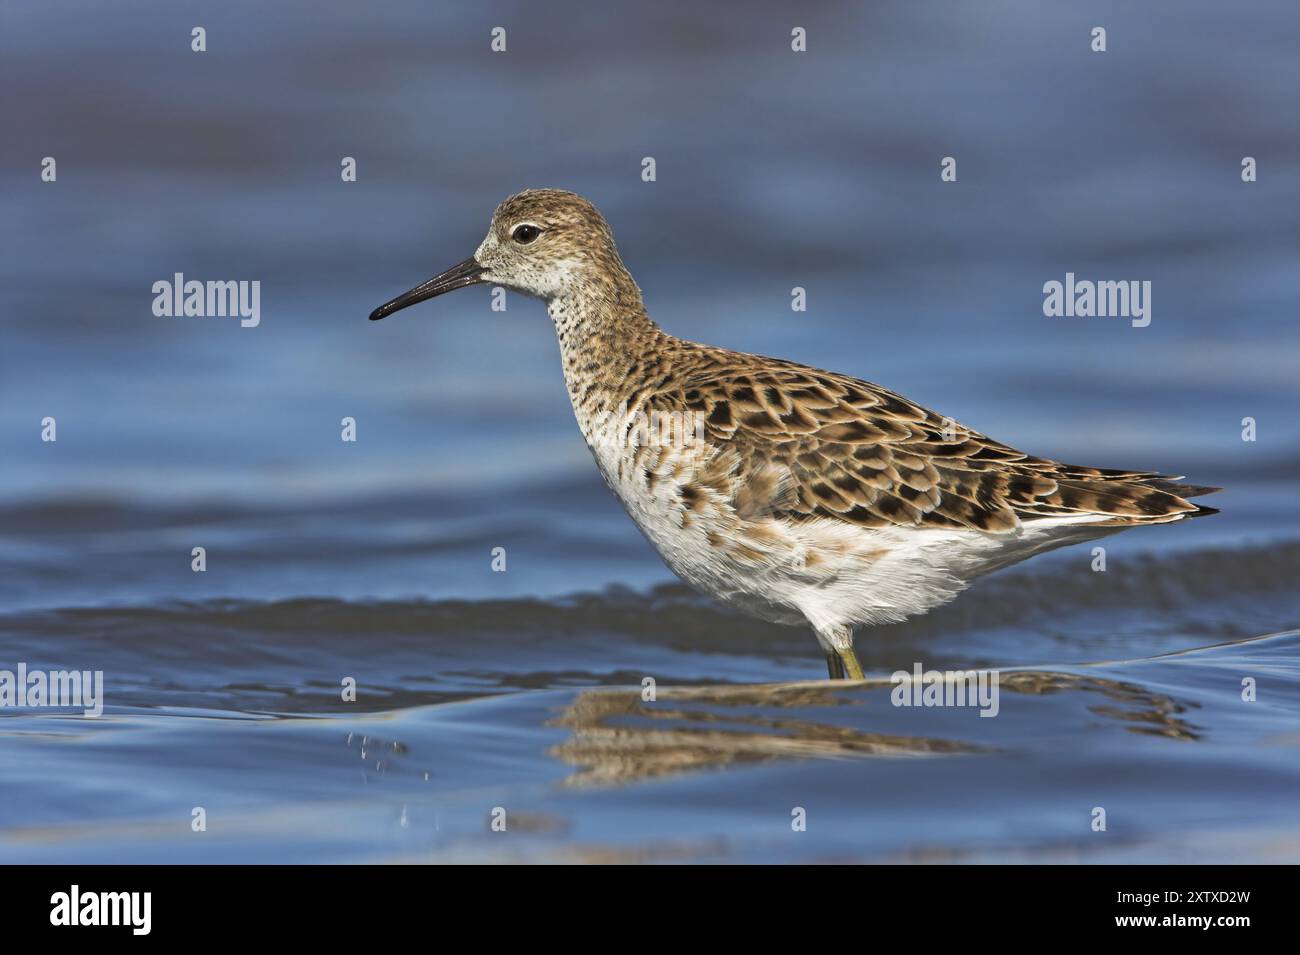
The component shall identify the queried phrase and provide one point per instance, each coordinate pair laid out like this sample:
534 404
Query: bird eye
524 234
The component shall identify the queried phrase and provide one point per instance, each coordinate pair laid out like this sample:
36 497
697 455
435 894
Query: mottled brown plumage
851 450
802 494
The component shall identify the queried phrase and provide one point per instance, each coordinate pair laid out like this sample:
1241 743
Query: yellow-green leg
849 665
841 662
834 665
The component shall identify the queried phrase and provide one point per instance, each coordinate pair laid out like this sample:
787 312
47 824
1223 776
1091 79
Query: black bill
468 272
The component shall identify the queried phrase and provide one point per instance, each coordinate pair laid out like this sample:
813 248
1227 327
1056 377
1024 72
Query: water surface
1123 689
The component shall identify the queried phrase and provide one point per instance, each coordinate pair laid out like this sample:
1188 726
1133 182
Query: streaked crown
548 243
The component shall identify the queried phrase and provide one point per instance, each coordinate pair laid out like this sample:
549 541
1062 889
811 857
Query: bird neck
606 341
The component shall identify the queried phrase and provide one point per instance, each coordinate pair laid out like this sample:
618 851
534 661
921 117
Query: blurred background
775 169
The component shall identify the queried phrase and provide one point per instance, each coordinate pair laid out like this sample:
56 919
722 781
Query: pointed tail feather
1183 490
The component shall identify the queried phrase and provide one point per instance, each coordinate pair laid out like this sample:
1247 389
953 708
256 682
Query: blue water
373 559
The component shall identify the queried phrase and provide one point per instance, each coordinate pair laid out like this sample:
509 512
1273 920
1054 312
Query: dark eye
524 234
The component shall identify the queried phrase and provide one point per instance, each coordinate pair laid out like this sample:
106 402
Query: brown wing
810 443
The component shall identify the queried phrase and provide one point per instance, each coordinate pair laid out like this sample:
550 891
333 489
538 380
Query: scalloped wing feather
813 444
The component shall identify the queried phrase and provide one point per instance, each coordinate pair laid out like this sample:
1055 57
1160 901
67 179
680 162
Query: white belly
825 572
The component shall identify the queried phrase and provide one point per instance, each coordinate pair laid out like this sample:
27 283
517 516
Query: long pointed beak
468 272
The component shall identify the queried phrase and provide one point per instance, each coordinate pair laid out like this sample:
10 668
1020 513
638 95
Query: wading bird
803 496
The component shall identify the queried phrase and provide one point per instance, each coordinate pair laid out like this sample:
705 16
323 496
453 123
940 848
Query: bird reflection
617 736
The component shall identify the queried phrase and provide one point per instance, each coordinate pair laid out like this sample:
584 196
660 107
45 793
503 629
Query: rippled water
522 690
1120 690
